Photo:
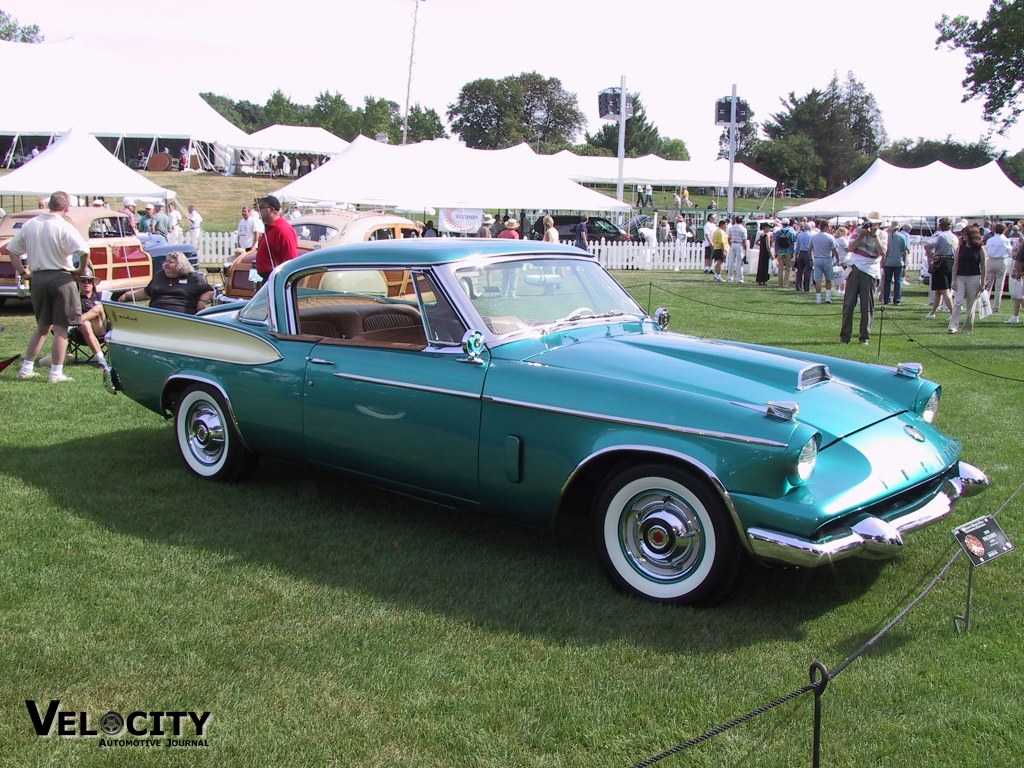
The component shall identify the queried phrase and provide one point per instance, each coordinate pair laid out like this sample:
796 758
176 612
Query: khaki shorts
55 298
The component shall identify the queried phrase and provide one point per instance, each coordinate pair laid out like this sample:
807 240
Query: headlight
807 460
931 408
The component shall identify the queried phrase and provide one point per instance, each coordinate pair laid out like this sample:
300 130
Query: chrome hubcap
205 433
661 536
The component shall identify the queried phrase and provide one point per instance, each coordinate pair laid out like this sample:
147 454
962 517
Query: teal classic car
521 380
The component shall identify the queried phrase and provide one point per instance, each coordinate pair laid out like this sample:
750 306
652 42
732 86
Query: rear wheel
207 438
664 535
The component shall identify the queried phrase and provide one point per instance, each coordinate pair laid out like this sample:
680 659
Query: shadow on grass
331 530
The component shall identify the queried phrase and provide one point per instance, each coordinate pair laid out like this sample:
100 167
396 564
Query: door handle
319 361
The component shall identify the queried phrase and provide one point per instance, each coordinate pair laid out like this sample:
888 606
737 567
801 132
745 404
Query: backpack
783 240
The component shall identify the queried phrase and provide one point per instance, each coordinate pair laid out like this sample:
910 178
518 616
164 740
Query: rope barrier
820 675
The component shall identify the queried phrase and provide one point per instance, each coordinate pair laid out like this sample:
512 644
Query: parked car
117 256
683 457
598 228
320 231
159 253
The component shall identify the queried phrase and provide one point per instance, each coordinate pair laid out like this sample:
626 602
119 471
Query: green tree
491 114
1013 166
674 149
14 32
995 64
790 159
642 137
281 110
380 116
424 124
332 113
843 124
918 153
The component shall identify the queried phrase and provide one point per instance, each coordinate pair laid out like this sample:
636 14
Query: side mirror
662 317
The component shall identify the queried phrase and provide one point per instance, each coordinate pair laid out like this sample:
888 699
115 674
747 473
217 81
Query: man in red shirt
279 243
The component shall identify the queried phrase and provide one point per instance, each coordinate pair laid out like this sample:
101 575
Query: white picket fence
218 249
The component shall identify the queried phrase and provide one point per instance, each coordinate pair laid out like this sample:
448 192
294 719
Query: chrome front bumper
870 537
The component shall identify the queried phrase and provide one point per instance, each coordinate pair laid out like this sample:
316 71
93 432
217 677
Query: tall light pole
408 87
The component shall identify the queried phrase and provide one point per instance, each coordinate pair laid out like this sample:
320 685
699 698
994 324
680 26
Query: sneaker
930 316
817 299
1014 320
865 341
951 330
59 378
25 375
828 301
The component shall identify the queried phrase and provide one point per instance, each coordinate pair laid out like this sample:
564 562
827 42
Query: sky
679 55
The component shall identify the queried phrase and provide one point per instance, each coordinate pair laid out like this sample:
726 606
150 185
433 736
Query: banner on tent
461 220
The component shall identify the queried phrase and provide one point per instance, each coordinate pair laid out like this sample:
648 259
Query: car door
404 413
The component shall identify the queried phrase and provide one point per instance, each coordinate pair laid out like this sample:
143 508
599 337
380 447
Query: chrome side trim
407 385
749 440
870 537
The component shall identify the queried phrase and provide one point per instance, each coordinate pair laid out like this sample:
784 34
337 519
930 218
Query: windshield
520 294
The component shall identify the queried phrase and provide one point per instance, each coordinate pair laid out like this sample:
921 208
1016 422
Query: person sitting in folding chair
94 320
92 329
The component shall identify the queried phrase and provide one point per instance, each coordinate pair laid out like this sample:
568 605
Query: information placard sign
983 540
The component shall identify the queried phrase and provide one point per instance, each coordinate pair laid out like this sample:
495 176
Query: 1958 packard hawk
520 379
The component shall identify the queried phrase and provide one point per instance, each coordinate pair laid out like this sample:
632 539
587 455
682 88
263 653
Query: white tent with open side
103 106
444 174
78 164
295 139
935 189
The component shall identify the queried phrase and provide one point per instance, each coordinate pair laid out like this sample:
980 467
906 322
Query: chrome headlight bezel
929 406
803 458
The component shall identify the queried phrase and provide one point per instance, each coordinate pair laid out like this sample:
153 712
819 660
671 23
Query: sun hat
90 276
785 222
873 217
511 224
98 202
961 225
149 206
488 219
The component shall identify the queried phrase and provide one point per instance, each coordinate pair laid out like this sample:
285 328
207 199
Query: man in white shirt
174 218
50 243
738 242
246 231
709 232
997 248
195 223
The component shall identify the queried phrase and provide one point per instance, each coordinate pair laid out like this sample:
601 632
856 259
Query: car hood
716 369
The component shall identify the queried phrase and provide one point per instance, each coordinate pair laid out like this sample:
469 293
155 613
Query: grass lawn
323 622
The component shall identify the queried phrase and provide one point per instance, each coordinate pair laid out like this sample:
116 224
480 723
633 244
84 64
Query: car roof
419 252
80 216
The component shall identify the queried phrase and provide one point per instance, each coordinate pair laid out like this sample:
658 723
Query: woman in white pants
968 277
997 264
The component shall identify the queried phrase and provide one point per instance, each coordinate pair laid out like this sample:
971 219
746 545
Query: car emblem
914 432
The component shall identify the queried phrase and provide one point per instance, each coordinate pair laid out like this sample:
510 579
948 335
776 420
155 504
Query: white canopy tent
295 139
444 174
935 189
78 164
652 169
100 106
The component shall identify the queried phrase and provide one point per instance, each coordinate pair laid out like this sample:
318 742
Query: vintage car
686 457
117 256
321 230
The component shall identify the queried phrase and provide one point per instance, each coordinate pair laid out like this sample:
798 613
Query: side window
442 324
385 233
410 232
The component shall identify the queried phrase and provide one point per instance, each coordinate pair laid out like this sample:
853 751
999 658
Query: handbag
1017 287
984 305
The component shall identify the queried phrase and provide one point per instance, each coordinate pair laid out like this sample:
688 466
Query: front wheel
664 535
207 438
